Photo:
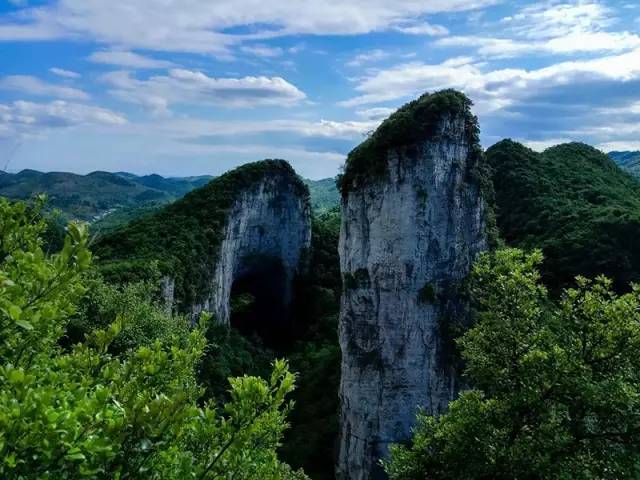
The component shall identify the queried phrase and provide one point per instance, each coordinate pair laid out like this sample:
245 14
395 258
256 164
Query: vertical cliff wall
413 220
265 239
246 231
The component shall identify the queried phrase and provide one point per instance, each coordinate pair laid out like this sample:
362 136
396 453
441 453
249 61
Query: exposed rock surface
269 223
408 240
244 233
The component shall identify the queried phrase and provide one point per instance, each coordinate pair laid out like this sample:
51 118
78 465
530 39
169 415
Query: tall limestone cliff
413 219
246 231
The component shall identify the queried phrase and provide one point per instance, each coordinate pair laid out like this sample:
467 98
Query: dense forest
574 203
100 381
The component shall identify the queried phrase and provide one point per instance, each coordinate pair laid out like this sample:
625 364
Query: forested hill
184 236
87 197
324 194
109 200
629 161
574 203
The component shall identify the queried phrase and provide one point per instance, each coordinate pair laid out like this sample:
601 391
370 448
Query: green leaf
15 312
24 324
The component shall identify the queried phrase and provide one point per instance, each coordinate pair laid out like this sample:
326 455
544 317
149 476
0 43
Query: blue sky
186 87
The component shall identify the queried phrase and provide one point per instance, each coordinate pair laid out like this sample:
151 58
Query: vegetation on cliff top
184 237
574 203
417 120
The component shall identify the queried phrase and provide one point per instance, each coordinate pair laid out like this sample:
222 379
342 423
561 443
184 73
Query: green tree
87 413
557 386
147 320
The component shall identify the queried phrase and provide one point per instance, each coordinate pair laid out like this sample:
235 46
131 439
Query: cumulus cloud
499 88
64 73
591 100
182 86
123 58
203 26
30 85
25 119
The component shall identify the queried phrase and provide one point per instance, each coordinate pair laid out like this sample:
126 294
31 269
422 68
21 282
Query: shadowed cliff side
413 219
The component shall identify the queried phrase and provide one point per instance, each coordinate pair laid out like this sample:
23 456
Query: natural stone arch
268 233
239 224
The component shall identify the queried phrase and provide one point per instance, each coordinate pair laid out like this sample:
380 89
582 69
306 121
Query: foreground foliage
557 387
87 413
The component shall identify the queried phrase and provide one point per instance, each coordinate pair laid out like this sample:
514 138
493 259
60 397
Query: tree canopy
556 385
82 411
575 204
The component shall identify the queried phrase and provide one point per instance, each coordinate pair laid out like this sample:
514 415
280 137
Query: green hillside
574 203
629 161
324 194
93 196
110 200
183 236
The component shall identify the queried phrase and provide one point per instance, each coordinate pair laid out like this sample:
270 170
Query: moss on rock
415 121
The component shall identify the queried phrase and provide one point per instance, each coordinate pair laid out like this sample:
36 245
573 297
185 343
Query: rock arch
250 227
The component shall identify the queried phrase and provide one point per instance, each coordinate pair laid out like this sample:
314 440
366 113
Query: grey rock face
269 224
407 242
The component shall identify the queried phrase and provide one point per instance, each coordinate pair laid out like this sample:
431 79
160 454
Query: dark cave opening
260 301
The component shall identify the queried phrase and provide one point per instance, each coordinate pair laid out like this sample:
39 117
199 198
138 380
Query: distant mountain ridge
89 197
628 161
111 199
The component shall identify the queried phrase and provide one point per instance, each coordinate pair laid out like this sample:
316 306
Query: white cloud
570 43
423 29
26 119
193 128
263 51
202 25
123 58
554 19
181 86
541 145
493 89
34 86
620 146
371 56
376 113
64 73
551 28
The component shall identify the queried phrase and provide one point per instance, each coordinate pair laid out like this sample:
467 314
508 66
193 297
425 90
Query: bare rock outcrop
413 220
